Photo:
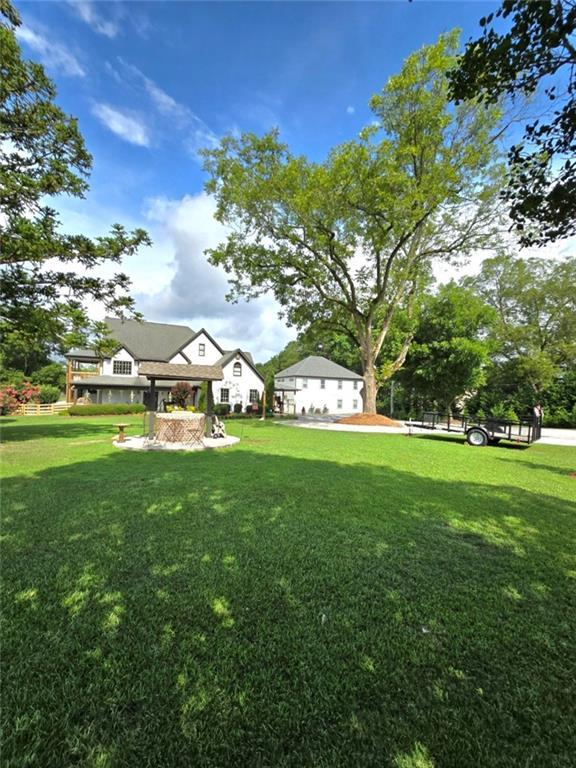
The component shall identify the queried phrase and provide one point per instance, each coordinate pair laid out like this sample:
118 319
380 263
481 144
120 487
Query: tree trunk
369 391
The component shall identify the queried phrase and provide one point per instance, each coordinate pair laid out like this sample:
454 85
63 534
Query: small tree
181 392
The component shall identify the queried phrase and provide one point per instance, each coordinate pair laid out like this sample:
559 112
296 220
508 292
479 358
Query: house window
339 383
254 396
122 368
201 350
354 403
339 404
237 370
224 395
322 383
355 384
304 383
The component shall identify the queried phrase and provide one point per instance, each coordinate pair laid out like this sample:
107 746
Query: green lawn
305 598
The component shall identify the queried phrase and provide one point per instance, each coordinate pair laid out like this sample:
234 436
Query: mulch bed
369 420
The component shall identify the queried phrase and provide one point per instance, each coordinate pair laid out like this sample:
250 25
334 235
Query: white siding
314 396
179 359
211 352
122 354
238 386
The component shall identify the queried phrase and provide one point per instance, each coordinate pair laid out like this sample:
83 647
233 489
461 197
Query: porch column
152 407
209 408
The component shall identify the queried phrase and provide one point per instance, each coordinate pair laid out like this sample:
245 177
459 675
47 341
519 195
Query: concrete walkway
549 436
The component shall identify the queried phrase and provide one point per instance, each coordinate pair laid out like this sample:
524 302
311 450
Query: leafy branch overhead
537 53
47 275
348 242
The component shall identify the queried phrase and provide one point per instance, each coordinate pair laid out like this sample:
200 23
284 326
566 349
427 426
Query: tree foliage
535 330
539 49
451 349
47 275
347 243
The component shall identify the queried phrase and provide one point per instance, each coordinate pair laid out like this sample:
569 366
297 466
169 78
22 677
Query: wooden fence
42 409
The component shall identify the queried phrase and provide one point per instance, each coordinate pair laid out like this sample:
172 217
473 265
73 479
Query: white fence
42 409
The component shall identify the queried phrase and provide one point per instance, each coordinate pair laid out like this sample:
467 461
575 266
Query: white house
316 384
116 379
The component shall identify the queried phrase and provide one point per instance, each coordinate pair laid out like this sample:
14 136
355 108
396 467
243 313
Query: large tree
348 242
451 349
537 52
46 275
535 332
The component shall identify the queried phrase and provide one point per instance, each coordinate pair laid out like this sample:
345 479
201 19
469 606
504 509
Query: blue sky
153 82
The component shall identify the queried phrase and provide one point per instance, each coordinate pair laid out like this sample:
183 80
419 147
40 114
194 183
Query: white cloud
52 55
87 12
195 291
350 110
128 126
196 133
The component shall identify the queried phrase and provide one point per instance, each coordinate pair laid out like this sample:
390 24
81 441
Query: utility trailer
488 431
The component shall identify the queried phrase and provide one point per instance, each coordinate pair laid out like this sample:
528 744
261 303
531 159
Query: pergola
181 372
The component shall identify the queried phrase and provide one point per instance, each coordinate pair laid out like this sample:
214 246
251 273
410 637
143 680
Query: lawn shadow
244 608
67 430
459 438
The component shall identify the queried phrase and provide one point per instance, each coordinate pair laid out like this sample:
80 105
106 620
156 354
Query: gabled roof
246 356
192 338
316 367
149 341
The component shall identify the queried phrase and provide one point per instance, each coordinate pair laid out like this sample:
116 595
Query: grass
306 598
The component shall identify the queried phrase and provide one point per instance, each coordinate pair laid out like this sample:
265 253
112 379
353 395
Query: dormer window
122 368
201 350
237 369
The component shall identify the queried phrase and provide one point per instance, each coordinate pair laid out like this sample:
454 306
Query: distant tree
538 50
46 275
348 242
535 332
451 348
53 374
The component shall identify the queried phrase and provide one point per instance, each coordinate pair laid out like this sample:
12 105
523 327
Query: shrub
49 394
53 374
237 407
181 392
560 418
13 396
106 409
222 409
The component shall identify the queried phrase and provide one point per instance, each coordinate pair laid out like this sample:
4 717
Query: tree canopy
535 302
347 243
452 345
539 49
47 275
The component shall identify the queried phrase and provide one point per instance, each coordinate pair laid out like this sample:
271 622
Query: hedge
106 409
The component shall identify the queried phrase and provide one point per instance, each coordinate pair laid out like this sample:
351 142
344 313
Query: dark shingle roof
85 353
149 341
318 367
178 371
123 382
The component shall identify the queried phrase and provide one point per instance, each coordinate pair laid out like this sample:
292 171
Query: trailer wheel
476 437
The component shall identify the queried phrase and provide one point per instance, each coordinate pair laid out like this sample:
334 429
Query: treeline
497 343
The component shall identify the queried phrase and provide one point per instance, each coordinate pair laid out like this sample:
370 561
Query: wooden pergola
181 372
